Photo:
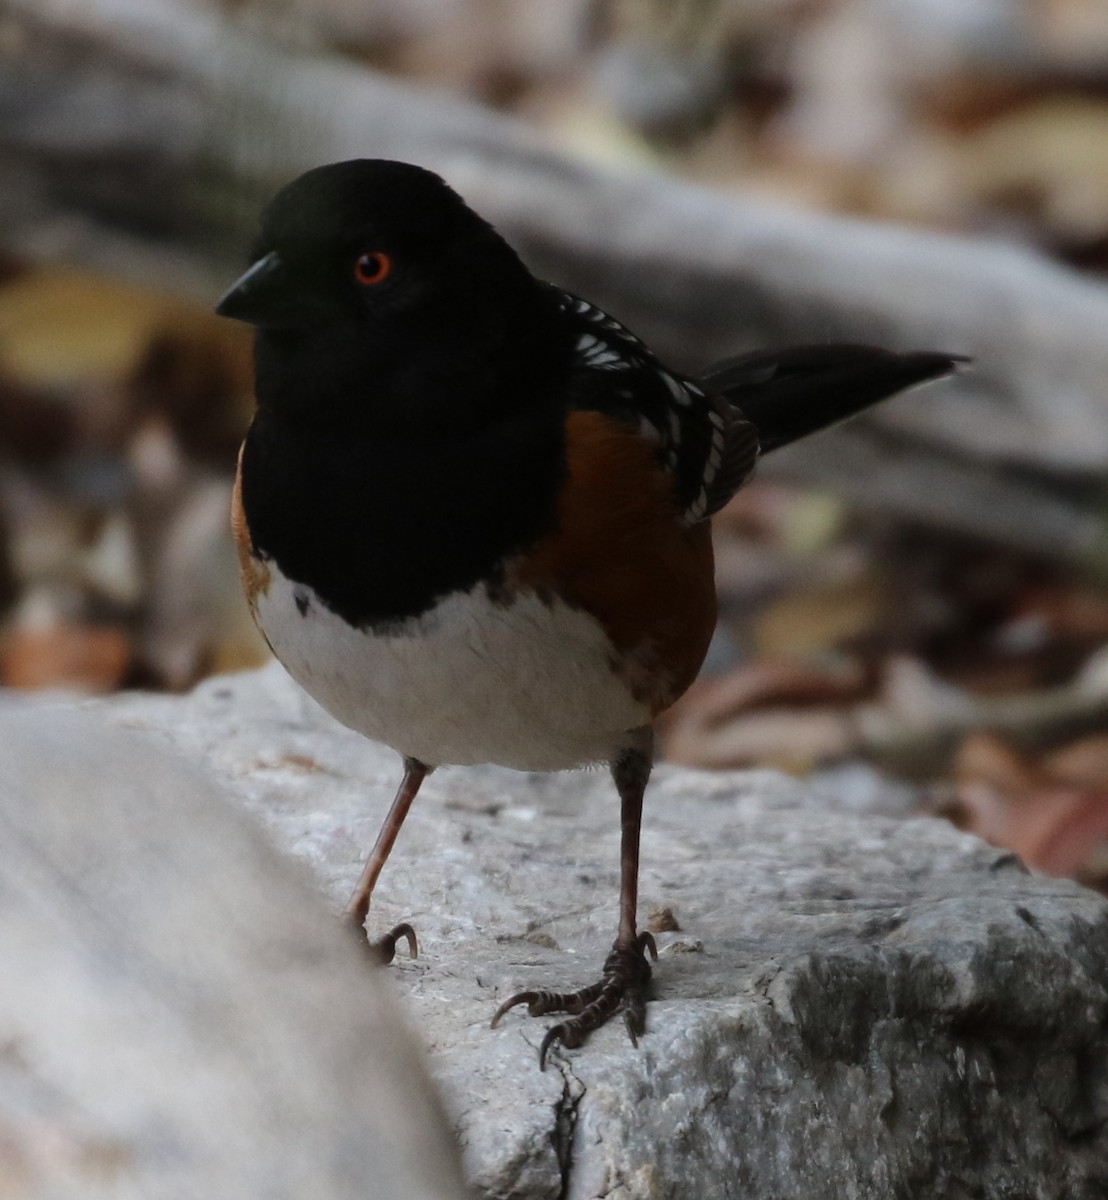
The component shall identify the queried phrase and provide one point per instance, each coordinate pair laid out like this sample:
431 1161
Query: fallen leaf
825 615
88 658
772 682
1017 802
985 759
1083 763
792 740
660 919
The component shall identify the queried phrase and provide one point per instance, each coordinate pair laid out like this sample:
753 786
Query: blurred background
914 609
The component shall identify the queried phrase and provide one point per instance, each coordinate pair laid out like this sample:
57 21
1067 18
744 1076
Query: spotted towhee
472 509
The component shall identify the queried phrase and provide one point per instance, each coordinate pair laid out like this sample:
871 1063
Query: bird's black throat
381 527
402 453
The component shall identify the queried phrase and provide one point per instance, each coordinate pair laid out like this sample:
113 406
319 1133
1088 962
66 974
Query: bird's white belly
526 684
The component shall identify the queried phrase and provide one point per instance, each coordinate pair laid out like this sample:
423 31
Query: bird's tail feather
787 394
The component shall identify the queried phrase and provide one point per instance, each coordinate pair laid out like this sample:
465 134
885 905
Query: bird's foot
621 988
383 950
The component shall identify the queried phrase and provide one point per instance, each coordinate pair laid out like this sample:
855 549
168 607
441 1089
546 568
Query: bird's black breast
381 528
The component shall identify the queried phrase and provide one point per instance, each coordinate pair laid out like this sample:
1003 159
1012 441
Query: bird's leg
357 908
626 972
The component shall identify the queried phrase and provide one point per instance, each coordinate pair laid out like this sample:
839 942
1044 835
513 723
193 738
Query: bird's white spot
676 389
608 358
711 470
649 431
596 353
699 506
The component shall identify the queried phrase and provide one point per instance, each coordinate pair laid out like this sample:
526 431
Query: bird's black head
383 302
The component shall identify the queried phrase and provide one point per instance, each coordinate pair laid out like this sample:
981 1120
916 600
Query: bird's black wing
704 442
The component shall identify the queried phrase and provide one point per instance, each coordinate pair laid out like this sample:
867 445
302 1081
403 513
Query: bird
472 509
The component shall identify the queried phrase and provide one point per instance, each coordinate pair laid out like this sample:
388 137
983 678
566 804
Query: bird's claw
621 988
383 950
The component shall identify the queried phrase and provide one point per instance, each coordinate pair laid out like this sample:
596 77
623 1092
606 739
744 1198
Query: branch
920 747
141 136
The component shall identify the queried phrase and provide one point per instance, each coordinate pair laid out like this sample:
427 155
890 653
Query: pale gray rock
854 1006
179 1016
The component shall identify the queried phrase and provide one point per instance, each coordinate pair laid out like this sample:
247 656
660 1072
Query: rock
179 1017
853 1005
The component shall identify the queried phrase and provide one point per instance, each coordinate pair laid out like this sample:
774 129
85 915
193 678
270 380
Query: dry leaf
88 658
1083 763
823 616
765 683
1022 804
794 740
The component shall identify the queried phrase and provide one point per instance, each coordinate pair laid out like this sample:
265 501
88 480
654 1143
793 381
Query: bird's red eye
372 268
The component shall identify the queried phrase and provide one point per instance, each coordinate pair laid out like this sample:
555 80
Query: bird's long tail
787 394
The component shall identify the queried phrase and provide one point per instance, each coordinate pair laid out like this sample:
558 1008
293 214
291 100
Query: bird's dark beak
263 296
